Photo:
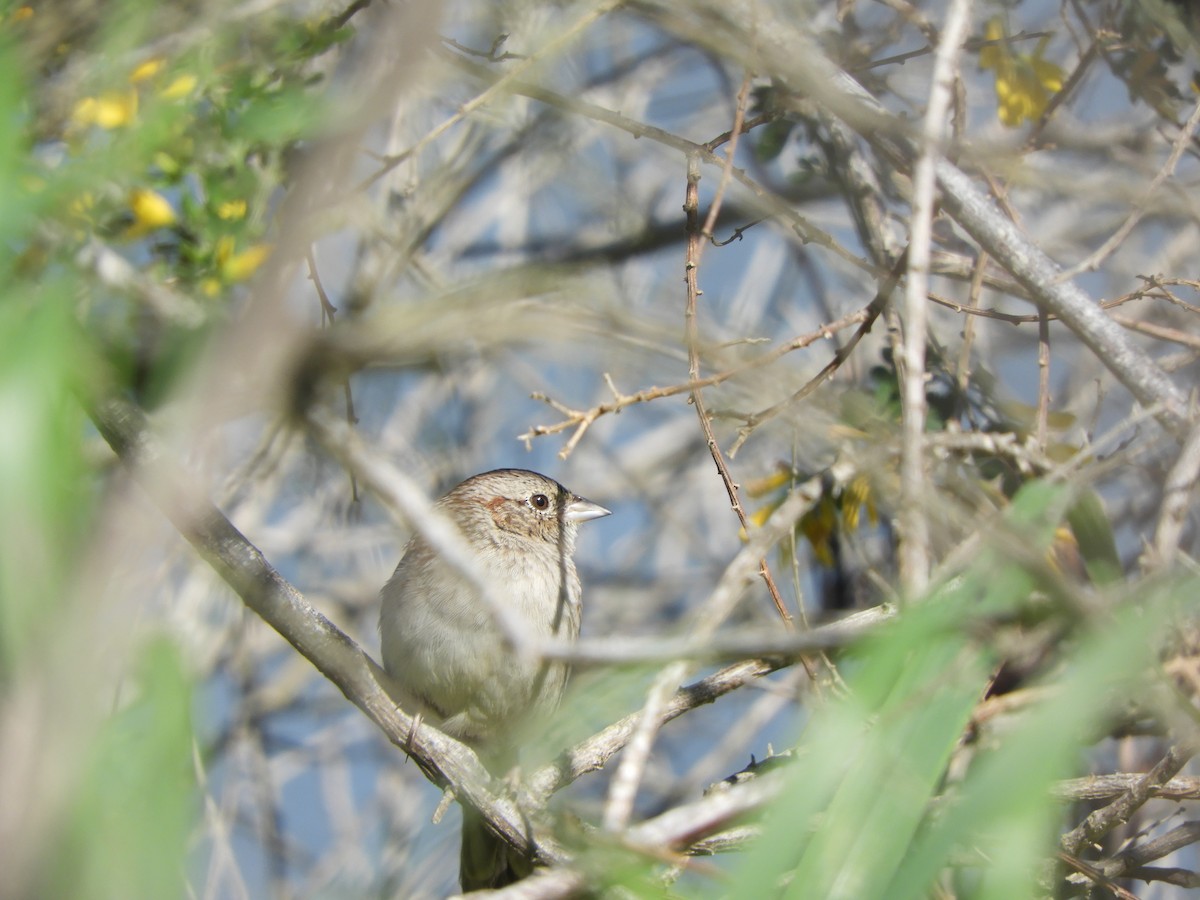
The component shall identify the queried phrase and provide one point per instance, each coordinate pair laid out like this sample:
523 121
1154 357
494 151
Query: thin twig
328 315
1118 812
691 208
581 420
1093 874
963 374
914 550
1043 406
1176 501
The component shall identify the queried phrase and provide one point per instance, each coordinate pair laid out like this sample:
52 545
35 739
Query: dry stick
1132 861
914 550
735 133
1092 788
625 782
1119 811
591 754
1098 877
1043 407
968 334
581 420
1177 492
1162 332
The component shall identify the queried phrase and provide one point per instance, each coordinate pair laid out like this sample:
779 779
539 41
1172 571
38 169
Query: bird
447 655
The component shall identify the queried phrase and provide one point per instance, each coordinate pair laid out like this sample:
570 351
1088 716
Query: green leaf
1004 803
135 804
1094 534
44 498
872 762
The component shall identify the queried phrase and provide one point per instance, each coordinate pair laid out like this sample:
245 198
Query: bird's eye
540 501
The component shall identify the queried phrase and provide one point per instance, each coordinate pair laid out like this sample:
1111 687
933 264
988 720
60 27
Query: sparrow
445 651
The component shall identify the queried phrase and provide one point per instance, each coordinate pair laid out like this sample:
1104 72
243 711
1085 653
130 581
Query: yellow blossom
241 266
224 249
111 110
1025 82
231 210
147 70
761 486
21 14
992 56
853 498
180 87
150 210
818 525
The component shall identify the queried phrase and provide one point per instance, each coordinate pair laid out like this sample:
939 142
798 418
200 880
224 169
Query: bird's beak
580 510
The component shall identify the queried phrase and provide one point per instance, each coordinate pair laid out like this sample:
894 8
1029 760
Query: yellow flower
21 14
150 210
240 266
110 110
777 479
231 210
854 497
992 56
224 249
1025 82
210 287
147 70
180 87
818 525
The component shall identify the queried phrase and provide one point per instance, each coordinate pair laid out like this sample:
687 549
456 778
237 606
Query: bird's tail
486 861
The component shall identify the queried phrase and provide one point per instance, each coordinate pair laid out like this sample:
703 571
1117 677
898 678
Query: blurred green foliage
142 147
135 802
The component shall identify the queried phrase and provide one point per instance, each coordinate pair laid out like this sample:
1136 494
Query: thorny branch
581 420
